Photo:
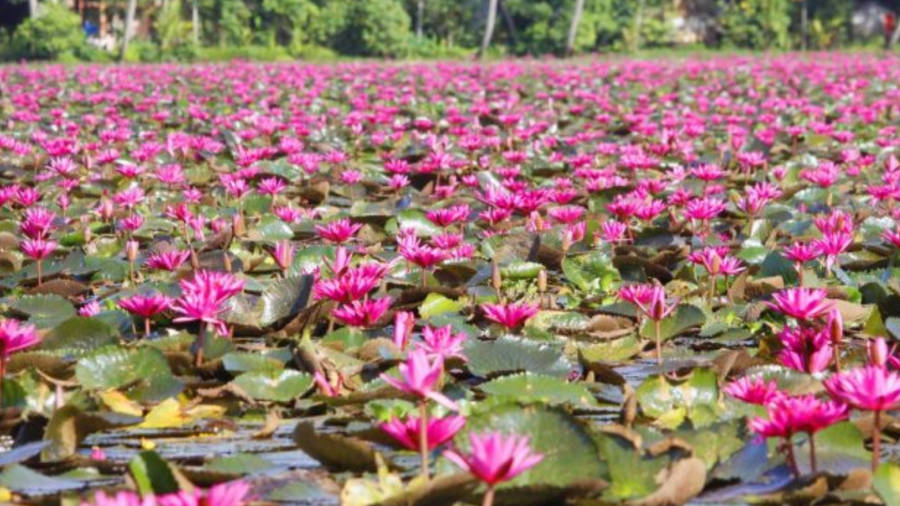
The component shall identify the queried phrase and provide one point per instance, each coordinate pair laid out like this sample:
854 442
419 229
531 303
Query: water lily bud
237 225
878 352
131 250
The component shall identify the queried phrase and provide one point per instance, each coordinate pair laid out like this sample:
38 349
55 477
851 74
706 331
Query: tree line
272 29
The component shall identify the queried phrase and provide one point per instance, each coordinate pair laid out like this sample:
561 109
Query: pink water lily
494 458
438 431
800 303
146 306
419 376
788 415
202 299
510 315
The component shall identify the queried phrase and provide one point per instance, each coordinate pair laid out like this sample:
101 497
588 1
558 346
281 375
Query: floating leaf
241 463
887 482
529 387
284 298
43 310
510 354
144 371
616 350
271 228
685 317
521 270
152 474
414 219
570 450
78 336
20 479
334 450
696 398
594 272
436 304
242 361
278 386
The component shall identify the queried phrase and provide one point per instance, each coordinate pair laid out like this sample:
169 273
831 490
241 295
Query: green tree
366 28
757 24
54 31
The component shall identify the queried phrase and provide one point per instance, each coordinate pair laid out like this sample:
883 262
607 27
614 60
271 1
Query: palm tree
129 26
195 21
573 27
420 13
488 27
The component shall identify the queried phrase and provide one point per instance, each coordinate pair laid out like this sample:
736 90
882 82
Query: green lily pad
19 478
570 450
510 354
436 304
152 474
591 273
278 386
616 350
78 336
887 482
521 270
241 463
47 310
527 387
145 371
414 219
631 474
670 403
243 361
271 228
685 316
284 298
307 259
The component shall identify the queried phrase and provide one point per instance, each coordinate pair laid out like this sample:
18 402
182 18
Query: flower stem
40 272
876 441
2 375
147 327
656 328
812 452
837 357
488 497
792 461
201 341
423 437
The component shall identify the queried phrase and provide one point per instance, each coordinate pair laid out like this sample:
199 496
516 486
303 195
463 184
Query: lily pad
45 310
144 371
570 450
529 387
510 354
274 385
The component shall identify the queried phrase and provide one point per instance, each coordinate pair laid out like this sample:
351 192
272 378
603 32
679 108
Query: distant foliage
325 29
57 30
756 24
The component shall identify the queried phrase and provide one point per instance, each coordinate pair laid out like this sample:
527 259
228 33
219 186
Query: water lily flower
168 260
362 313
146 306
494 458
438 431
510 315
788 415
202 299
338 231
869 388
800 303
14 336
